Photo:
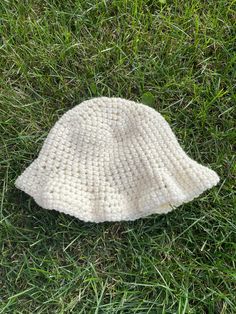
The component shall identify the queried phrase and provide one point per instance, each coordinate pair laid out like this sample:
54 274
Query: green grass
55 54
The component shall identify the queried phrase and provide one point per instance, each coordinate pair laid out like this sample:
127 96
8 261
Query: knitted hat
111 159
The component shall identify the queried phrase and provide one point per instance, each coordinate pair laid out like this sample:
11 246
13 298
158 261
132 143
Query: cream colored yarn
111 159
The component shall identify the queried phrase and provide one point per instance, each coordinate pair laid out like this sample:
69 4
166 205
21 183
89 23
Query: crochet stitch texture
111 159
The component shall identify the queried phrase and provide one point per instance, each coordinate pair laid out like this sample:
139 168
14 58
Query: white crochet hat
111 159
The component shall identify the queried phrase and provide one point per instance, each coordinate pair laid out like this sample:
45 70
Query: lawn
177 57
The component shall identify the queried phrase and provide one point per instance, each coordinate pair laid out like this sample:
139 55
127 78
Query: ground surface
177 57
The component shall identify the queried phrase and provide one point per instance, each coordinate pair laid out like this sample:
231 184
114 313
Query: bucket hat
112 159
